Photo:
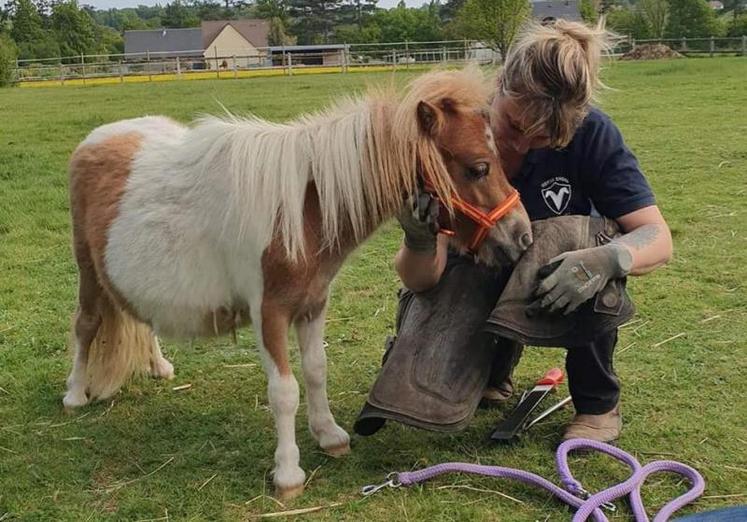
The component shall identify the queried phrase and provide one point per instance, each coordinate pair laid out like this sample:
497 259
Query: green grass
150 452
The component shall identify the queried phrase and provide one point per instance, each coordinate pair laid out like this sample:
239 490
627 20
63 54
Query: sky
107 4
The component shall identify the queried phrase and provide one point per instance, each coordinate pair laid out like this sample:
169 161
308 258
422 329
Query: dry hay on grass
650 52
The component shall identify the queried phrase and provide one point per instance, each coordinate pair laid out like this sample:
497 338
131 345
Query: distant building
549 10
217 43
716 5
326 55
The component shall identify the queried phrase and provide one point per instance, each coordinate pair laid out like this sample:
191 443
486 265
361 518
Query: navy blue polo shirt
596 174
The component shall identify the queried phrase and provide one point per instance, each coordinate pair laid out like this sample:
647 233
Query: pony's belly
192 323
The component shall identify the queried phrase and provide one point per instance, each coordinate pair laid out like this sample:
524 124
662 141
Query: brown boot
602 428
494 395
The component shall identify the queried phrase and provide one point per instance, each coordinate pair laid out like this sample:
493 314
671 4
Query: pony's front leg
331 438
282 391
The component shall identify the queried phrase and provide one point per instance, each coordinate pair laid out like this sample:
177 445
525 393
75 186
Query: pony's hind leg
160 367
331 438
271 325
85 327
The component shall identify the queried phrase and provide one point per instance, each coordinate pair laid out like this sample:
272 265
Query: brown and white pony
194 231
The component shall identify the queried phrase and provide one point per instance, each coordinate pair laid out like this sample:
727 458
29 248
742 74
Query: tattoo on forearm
641 237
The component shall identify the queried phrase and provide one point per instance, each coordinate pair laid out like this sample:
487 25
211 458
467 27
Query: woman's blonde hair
552 71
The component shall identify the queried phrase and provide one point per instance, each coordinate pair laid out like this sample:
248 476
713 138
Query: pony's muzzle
509 238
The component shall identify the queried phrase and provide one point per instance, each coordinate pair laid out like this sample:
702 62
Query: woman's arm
647 237
420 270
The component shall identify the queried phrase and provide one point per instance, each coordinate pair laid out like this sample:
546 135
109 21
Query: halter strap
484 221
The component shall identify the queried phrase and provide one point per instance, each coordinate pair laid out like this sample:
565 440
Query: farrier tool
516 422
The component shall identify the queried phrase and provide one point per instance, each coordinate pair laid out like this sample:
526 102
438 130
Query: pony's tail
123 347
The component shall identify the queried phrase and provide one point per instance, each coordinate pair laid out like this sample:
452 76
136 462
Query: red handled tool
510 427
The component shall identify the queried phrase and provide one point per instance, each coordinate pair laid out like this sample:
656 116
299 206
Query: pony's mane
363 156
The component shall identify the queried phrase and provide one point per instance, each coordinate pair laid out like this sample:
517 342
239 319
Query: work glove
419 220
572 278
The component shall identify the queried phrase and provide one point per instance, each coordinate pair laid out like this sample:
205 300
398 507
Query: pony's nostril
525 241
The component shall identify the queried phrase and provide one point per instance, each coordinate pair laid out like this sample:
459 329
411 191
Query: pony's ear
428 118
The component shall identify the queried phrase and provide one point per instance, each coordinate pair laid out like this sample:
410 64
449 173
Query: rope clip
391 482
583 494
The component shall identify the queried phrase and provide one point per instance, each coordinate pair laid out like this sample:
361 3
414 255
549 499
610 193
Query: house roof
554 9
163 40
255 31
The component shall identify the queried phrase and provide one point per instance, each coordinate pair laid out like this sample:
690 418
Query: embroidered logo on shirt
557 194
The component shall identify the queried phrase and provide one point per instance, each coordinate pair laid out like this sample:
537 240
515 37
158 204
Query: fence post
394 60
83 68
290 64
465 49
342 61
713 45
744 45
683 47
147 65
217 67
235 68
632 44
443 54
62 73
178 67
121 72
407 54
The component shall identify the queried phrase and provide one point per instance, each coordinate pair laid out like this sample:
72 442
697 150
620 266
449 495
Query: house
716 5
549 10
246 40
215 44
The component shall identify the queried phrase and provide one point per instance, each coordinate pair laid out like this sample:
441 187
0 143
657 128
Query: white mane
361 155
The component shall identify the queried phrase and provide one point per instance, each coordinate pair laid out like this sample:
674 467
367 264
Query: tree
314 20
494 22
74 29
404 23
357 12
8 55
735 6
211 10
450 9
738 26
692 19
656 13
588 11
629 22
178 15
27 22
277 14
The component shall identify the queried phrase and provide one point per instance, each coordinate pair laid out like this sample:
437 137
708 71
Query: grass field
206 452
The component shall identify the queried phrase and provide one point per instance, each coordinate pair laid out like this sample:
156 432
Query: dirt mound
650 52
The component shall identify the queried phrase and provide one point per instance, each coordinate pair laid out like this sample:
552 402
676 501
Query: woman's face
509 128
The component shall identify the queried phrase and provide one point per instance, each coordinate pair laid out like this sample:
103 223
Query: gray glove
573 278
419 220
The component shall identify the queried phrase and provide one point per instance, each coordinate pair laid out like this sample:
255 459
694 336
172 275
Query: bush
738 26
8 55
629 22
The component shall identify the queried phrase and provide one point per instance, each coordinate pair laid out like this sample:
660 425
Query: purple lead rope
574 494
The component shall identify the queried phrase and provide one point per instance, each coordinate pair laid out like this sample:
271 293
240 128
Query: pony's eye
479 170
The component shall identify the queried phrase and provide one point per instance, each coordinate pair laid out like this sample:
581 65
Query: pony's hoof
162 369
333 440
74 399
285 494
288 482
337 451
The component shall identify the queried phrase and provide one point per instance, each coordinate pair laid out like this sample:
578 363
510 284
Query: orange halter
483 221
